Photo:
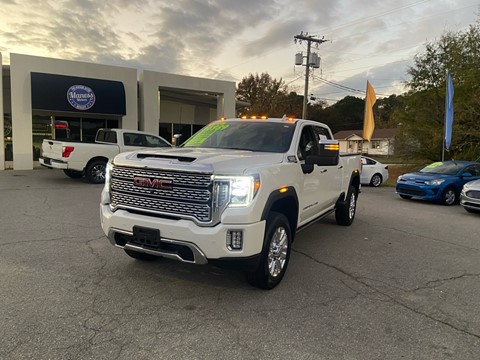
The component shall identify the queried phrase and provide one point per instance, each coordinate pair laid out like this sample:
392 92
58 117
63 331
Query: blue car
440 181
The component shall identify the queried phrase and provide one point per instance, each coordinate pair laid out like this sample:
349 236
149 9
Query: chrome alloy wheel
351 206
450 197
98 172
277 253
376 180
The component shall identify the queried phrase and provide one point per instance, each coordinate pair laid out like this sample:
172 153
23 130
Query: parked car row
444 182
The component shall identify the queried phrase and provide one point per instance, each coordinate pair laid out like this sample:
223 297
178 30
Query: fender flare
290 197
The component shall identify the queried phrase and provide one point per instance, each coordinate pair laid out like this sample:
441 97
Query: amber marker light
332 147
283 190
256 185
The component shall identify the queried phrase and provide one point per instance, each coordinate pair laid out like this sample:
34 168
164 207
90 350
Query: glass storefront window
165 131
7 135
41 129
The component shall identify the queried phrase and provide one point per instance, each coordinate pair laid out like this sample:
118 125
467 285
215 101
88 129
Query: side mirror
176 140
328 153
467 174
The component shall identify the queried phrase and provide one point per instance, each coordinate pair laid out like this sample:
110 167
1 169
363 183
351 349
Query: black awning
77 94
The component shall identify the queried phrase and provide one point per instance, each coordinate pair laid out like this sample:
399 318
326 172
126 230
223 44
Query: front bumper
182 239
470 200
52 163
428 192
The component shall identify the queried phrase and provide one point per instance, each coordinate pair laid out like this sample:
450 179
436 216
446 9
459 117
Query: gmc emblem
152 183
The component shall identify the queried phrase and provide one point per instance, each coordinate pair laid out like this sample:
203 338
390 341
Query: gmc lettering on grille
152 183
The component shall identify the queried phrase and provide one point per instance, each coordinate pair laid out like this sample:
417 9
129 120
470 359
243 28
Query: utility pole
309 39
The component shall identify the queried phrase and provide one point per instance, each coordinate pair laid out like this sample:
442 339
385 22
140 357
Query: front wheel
345 211
275 253
449 197
95 172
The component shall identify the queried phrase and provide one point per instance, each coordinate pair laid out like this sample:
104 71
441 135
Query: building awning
77 94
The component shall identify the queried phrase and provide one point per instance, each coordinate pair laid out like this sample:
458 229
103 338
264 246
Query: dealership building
44 98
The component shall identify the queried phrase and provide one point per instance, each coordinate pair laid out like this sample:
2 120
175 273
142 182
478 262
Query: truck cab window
308 143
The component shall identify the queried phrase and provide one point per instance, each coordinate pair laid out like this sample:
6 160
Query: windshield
244 135
449 168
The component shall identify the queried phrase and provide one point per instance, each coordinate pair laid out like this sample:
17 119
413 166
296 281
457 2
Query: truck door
321 187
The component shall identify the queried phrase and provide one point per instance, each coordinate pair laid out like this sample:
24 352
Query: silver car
470 196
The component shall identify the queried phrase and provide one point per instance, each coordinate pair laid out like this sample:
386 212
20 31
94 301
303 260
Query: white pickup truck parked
80 158
234 194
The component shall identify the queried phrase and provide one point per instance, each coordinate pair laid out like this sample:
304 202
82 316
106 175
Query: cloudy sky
371 40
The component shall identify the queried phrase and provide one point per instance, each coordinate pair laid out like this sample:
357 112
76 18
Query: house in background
382 142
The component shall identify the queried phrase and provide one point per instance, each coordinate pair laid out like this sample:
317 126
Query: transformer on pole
312 60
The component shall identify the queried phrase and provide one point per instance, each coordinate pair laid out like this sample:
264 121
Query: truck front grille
163 192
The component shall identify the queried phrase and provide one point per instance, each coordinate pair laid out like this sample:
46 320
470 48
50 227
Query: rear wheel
95 172
376 180
449 197
275 254
407 197
345 211
73 173
139 255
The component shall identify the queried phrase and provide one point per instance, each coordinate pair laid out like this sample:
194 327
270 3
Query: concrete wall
150 95
20 68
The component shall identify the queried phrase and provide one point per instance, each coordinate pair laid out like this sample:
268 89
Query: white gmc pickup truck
81 158
234 194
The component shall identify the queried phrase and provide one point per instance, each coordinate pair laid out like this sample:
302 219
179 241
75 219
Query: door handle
323 171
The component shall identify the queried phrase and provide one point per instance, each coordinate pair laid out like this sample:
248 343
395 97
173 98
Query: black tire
406 197
275 254
95 172
73 173
376 180
140 256
449 197
345 210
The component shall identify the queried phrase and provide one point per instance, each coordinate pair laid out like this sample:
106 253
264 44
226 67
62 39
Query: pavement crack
393 299
439 282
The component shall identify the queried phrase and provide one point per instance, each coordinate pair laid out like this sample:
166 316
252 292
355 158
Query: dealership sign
81 97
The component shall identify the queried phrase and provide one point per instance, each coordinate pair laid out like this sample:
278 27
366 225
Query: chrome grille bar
188 195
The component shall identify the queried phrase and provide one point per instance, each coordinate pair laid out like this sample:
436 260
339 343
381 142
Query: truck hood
205 160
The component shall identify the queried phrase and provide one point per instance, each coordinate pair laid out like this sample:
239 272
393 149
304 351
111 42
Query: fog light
235 239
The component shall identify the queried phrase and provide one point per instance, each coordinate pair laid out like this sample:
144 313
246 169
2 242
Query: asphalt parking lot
401 283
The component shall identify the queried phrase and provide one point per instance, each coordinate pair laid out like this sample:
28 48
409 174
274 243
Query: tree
265 95
345 114
424 111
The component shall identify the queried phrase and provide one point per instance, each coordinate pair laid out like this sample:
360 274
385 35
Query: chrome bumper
198 256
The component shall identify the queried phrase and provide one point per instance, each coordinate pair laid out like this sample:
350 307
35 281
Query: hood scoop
186 159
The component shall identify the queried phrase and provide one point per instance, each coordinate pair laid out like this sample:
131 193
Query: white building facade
51 98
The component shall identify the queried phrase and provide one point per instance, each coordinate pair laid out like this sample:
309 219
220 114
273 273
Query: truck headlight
235 191
434 182
105 197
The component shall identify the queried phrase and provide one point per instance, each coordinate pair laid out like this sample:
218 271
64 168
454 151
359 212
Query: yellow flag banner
369 121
